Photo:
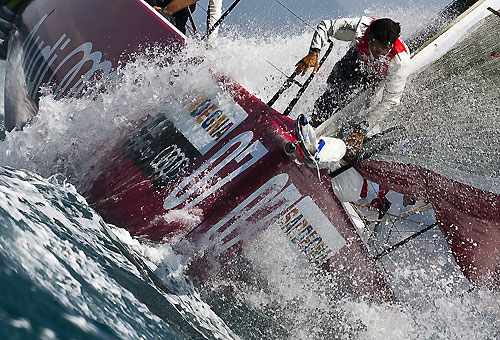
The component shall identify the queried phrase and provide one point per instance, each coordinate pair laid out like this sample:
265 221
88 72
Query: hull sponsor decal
205 121
160 150
174 139
38 58
301 220
310 230
207 179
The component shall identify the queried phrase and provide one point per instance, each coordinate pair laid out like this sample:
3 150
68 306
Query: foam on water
53 249
61 251
297 302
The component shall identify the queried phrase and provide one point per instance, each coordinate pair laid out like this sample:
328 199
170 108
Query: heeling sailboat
216 154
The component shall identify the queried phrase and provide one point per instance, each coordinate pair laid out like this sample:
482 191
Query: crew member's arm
394 84
346 29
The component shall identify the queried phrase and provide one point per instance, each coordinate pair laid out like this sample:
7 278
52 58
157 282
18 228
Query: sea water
65 273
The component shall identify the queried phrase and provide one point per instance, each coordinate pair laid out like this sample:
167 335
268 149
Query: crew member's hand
310 60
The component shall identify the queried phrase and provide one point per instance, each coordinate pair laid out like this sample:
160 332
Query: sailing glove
310 60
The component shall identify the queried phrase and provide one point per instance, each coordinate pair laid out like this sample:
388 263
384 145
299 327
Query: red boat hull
211 168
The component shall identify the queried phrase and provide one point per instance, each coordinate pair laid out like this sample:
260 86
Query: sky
270 15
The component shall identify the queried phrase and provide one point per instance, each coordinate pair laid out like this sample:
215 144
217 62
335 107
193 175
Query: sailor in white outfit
376 59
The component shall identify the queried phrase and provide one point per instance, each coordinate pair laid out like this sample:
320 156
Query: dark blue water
63 277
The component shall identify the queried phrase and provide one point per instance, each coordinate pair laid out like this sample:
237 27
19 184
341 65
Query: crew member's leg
177 12
176 5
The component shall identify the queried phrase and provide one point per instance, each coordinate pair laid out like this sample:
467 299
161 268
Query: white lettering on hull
37 60
310 230
192 190
273 200
301 220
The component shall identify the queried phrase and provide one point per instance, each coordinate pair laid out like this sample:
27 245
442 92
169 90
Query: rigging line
409 216
200 6
295 15
194 28
371 215
394 219
283 73
430 239
403 242
191 31
399 232
389 234
416 210
415 231
395 229
220 20
404 218
493 11
361 216
400 216
393 226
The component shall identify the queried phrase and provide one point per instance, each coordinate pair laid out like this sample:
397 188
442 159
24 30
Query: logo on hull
39 59
239 154
280 202
160 150
205 121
